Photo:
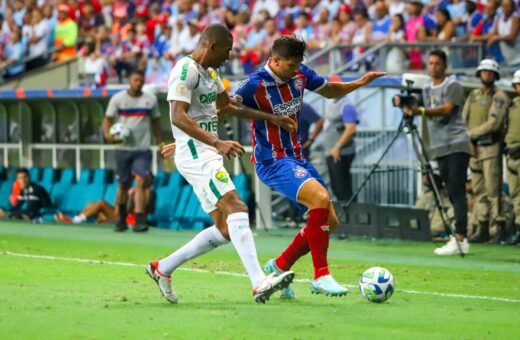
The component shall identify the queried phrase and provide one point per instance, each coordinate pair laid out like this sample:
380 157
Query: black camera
409 96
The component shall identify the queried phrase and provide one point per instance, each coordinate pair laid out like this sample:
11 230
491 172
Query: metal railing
340 58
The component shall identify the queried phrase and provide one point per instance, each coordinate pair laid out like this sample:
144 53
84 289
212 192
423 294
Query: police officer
513 156
484 113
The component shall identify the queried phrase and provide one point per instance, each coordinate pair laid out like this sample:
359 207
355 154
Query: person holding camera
484 113
449 142
512 141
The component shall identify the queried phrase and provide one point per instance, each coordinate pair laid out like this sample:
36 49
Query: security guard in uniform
512 141
484 113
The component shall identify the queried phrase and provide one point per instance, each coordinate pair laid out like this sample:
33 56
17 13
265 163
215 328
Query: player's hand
370 76
335 153
410 111
111 139
285 122
229 148
167 150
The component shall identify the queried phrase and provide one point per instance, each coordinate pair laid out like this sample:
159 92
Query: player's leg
141 168
124 177
242 238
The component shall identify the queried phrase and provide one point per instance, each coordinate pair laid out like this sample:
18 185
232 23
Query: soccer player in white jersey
195 93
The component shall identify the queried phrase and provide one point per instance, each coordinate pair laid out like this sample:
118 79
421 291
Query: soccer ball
376 284
119 131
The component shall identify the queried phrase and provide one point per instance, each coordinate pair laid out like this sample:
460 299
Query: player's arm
232 107
180 118
109 120
156 128
336 90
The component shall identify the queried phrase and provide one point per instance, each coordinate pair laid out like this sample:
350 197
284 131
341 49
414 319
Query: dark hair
23 171
401 20
138 72
445 13
441 54
289 47
362 12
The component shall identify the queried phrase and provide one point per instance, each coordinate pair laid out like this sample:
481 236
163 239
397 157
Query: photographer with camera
513 156
449 141
484 113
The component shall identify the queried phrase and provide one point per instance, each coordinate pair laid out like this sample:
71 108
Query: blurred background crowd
112 37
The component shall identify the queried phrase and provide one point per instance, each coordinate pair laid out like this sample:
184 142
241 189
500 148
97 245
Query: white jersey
191 83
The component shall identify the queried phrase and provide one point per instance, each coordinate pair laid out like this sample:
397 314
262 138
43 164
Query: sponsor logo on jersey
184 72
286 109
209 126
298 84
325 227
299 172
222 176
208 98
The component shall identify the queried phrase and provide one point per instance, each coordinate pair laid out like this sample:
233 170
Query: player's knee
238 206
321 199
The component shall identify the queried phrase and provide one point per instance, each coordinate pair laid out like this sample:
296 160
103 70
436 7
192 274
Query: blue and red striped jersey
264 91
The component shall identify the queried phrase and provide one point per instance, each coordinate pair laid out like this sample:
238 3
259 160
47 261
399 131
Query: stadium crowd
112 37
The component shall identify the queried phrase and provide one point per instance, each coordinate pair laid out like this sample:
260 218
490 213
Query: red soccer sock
317 234
298 247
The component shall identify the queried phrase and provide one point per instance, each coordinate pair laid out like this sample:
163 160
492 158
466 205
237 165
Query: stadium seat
60 188
160 179
3 173
178 210
36 174
76 196
5 192
48 178
110 193
166 201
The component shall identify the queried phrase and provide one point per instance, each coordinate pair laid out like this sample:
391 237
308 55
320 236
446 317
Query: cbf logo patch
299 172
222 176
298 84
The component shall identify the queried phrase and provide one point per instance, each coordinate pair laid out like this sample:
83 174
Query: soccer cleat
451 248
140 228
61 217
271 267
270 284
120 227
328 286
163 282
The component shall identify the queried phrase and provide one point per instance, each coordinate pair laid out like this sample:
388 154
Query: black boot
482 234
515 237
501 234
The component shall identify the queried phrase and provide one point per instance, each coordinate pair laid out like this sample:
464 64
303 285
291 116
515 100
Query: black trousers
340 176
453 170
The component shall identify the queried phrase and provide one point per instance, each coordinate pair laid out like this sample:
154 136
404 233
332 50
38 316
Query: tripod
407 125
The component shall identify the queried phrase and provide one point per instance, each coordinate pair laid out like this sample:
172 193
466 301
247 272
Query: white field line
126 264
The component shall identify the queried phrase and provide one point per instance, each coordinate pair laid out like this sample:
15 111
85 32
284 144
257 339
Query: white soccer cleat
271 284
163 282
451 248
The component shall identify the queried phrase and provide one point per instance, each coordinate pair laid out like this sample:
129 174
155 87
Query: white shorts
207 175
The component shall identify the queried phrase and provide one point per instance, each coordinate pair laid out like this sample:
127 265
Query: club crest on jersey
222 176
238 98
182 89
299 172
298 83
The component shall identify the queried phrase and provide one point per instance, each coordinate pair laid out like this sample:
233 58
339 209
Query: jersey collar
271 73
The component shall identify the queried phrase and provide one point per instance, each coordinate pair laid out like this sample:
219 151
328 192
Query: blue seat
77 195
6 188
3 173
60 188
36 174
103 176
160 179
110 193
178 218
48 178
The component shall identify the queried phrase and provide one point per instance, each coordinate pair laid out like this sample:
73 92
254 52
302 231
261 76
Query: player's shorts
207 175
133 162
287 175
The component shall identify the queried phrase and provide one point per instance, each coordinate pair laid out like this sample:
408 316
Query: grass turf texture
51 299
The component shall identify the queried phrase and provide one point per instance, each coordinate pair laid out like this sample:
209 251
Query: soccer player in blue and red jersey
278 88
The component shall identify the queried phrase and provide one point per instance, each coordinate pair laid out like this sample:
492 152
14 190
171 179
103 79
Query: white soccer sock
79 219
242 238
208 239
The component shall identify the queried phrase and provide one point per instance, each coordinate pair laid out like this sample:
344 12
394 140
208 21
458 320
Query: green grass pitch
55 294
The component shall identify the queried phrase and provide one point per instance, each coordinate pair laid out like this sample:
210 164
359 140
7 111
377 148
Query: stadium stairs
176 206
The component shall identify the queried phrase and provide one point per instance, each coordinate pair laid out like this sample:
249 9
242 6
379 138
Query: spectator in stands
303 29
484 31
105 212
252 53
473 17
396 58
270 5
288 25
65 35
396 7
216 13
445 27
5 36
271 35
506 32
347 23
38 41
189 38
415 31
381 23
96 67
31 199
458 15
89 20
19 11
362 34
139 112
14 56
338 141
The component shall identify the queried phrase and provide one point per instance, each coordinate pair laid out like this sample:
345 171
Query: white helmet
516 78
488 65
